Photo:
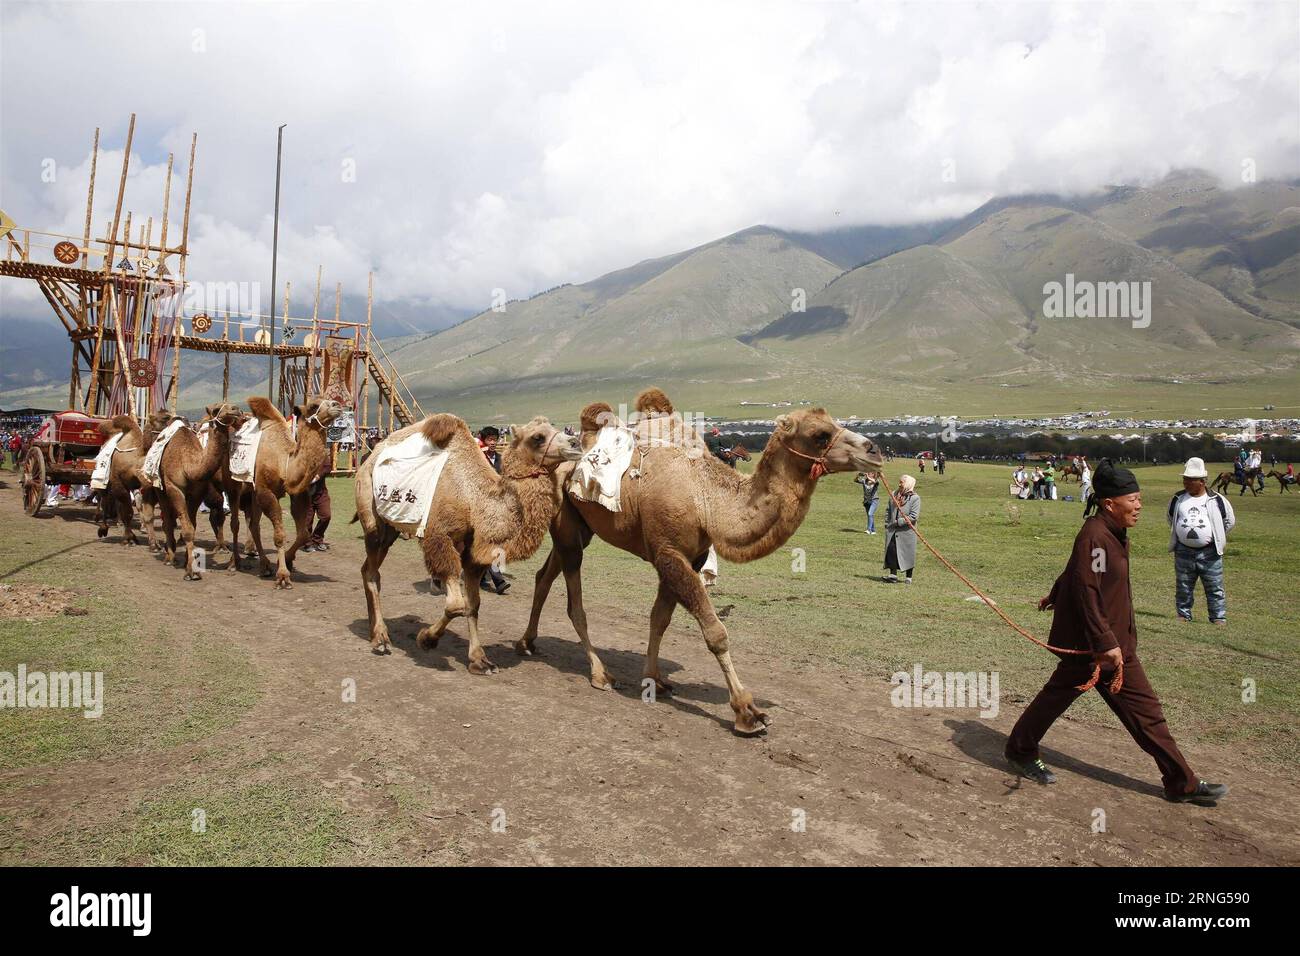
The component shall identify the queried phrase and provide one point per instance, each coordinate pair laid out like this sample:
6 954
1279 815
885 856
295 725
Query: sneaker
309 547
1220 621
1205 794
322 546
503 587
1034 770
890 579
907 580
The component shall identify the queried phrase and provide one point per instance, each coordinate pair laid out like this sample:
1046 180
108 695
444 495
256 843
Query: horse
1226 478
1284 480
1070 469
737 452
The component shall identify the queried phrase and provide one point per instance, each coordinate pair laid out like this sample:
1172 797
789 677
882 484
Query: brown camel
476 519
677 508
186 472
285 466
124 476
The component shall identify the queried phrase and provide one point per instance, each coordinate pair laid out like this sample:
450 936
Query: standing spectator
1037 479
318 509
15 448
1085 480
1093 605
940 462
900 541
487 440
1049 482
870 482
920 463
1199 522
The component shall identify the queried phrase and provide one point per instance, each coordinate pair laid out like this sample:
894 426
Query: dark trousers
320 511
1136 706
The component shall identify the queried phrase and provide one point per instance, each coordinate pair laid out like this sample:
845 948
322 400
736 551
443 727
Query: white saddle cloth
152 467
104 462
243 450
599 473
405 479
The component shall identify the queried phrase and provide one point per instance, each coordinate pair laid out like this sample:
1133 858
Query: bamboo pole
121 192
175 386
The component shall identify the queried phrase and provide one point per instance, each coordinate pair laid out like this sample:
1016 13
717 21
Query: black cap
1111 481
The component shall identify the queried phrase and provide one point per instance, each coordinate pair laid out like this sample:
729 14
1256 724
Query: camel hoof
381 648
525 648
602 682
283 584
426 639
482 666
663 688
749 719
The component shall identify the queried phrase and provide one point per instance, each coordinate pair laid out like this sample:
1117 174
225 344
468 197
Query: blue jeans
1204 563
871 514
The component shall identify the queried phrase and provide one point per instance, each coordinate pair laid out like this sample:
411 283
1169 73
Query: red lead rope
1116 682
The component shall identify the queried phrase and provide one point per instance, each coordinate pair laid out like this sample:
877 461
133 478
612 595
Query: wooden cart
62 453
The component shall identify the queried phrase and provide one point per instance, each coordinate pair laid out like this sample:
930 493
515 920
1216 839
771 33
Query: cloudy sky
521 145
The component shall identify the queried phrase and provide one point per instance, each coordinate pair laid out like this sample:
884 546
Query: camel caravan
648 486
175 467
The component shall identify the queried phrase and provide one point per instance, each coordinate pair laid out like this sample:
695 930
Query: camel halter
818 463
543 470
1116 682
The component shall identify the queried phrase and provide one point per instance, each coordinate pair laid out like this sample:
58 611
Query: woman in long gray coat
900 545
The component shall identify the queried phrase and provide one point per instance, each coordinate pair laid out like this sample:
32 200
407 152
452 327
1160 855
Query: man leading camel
1093 605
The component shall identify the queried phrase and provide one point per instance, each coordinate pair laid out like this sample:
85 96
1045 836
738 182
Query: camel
124 476
476 518
1284 480
676 508
186 472
285 466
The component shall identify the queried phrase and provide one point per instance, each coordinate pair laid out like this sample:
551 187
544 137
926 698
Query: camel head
159 420
539 444
319 410
812 436
224 414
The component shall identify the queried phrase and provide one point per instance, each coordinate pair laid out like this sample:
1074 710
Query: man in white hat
1199 522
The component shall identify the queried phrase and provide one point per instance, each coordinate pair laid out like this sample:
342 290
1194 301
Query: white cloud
520 145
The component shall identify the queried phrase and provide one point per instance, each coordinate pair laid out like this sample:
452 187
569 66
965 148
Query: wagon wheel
33 481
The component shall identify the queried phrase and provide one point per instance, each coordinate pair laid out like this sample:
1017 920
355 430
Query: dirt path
592 777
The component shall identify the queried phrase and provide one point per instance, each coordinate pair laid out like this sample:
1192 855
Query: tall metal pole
275 251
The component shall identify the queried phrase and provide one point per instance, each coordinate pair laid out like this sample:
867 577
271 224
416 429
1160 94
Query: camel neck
758 514
306 457
529 507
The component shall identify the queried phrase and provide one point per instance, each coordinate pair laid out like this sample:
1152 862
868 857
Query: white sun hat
1195 469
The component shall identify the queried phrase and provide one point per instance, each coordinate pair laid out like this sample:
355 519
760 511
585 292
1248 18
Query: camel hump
264 410
595 416
654 400
118 423
440 428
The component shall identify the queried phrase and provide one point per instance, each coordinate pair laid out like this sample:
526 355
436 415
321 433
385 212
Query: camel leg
168 509
377 546
126 514
442 561
255 530
300 508
478 659
148 505
676 573
546 576
234 496
188 510
660 617
271 504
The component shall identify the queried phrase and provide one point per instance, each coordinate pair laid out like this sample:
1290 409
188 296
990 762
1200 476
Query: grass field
839 610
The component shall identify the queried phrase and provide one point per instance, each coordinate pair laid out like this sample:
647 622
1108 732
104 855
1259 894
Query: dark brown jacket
1093 610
